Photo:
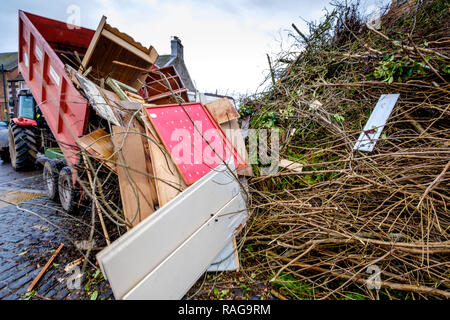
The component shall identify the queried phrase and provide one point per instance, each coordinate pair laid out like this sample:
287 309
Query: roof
9 60
163 60
18 78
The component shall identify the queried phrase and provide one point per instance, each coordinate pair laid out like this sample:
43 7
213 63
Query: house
176 58
10 82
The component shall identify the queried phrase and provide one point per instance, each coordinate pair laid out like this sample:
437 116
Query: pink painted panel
195 141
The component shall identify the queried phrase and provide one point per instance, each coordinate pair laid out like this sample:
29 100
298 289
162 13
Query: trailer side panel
64 108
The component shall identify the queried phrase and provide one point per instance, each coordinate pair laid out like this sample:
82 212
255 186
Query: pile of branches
355 224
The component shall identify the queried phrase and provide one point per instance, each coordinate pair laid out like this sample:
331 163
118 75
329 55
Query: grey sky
225 41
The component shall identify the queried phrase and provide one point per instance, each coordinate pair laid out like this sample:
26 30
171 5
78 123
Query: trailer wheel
22 147
68 195
50 175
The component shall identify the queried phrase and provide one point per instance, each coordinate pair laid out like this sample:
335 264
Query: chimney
176 47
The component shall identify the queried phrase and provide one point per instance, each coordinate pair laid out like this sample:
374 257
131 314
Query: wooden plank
148 159
127 46
234 135
173 277
222 110
134 97
129 105
98 143
134 255
169 182
153 54
123 64
93 44
134 123
41 273
110 96
127 38
135 189
117 89
169 95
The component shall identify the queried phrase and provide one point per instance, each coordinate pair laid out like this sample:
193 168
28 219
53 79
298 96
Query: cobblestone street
31 229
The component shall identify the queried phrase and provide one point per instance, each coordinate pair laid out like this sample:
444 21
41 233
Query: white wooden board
374 126
172 278
134 255
227 260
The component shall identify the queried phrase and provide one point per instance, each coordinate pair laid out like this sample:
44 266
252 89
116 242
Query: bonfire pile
355 221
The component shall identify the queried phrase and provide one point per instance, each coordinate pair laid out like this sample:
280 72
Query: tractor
26 141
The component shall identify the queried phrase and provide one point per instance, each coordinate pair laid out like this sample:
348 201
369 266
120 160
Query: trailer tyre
22 147
68 195
50 175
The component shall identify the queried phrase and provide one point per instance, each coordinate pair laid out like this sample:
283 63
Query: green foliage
338 118
246 110
355 296
93 280
289 285
28 295
264 120
221 294
287 112
94 295
446 68
391 70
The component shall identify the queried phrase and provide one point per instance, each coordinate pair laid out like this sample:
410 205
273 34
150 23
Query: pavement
31 229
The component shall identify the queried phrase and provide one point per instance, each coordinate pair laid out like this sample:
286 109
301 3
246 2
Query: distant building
13 81
176 58
14 85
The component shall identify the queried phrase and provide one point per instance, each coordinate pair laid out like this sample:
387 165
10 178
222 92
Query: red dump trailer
45 47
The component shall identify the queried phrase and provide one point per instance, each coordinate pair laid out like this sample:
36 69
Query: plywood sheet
135 185
222 110
108 45
98 143
234 134
169 182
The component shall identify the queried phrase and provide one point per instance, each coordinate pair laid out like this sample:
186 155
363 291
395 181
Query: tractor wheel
50 175
22 147
68 195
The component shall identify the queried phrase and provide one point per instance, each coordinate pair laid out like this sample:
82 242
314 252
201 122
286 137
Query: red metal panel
64 108
58 33
192 153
